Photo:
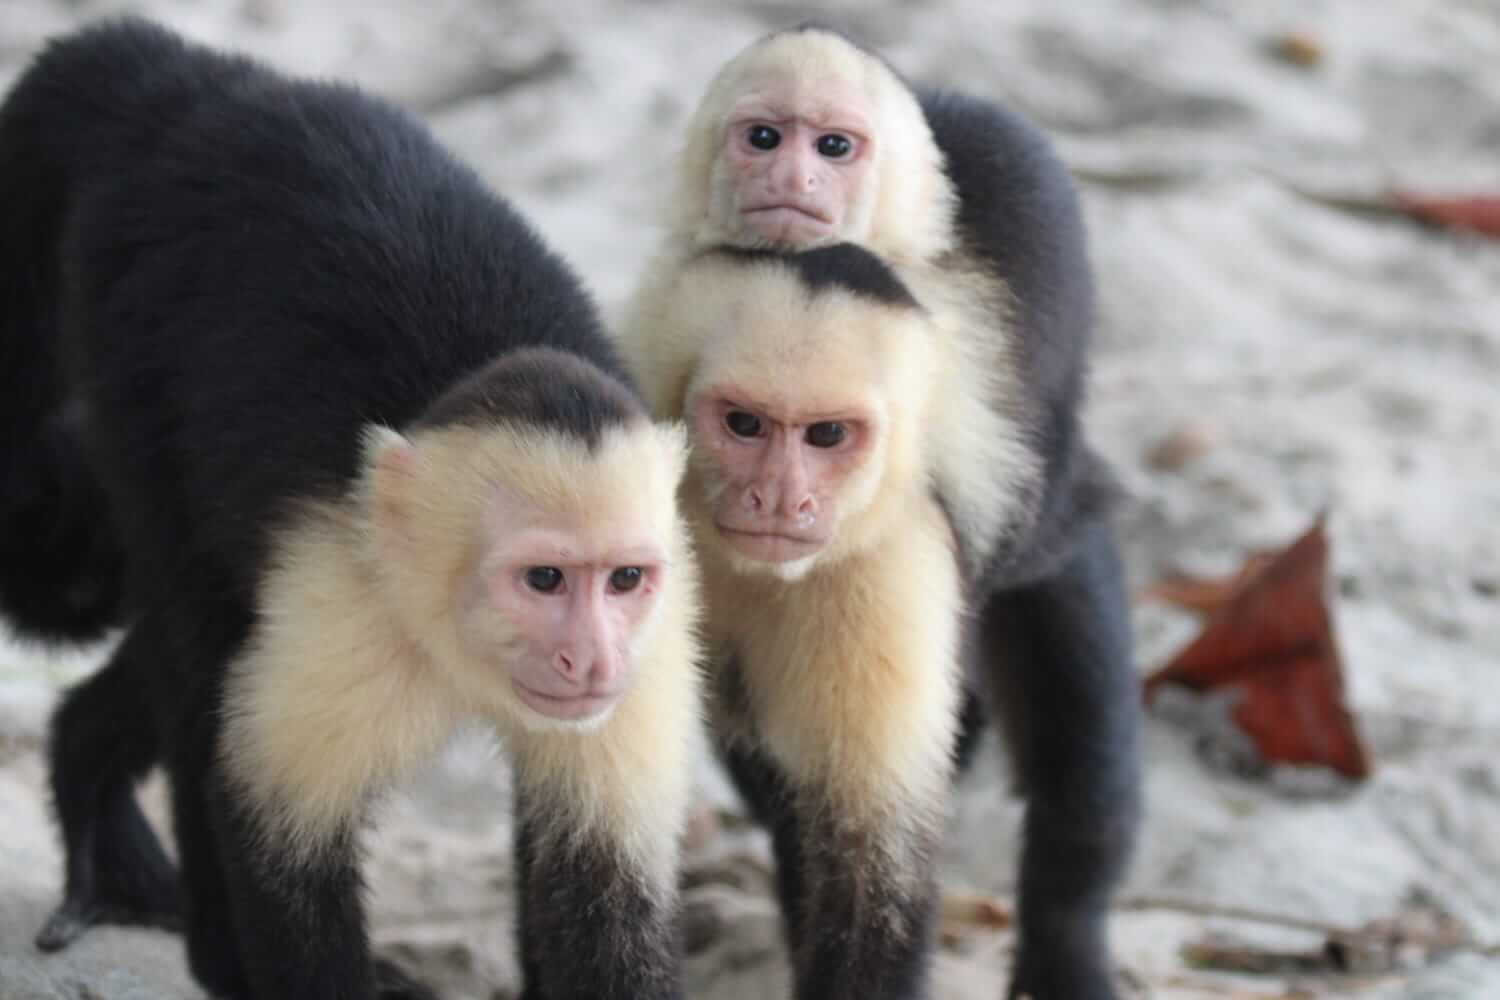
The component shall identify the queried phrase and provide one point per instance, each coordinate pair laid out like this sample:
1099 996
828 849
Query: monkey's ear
392 464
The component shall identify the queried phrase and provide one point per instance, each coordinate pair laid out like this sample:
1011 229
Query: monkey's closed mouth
774 546
806 213
769 535
578 706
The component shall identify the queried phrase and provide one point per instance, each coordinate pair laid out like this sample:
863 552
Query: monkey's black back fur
244 272
1018 215
1052 630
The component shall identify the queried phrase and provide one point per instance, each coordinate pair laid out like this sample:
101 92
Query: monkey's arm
598 819
320 711
859 916
846 756
1059 655
591 925
297 911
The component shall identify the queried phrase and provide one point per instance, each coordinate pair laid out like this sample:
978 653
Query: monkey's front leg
297 912
592 923
855 844
868 908
598 816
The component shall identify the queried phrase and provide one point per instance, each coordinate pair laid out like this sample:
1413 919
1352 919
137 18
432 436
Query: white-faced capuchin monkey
346 450
873 308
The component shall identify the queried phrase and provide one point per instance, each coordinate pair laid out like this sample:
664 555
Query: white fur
355 673
977 453
853 673
851 662
909 214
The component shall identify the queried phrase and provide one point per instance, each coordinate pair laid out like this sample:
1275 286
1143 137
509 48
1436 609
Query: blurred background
1283 332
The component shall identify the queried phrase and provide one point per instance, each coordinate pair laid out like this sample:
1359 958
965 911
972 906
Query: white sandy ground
1336 357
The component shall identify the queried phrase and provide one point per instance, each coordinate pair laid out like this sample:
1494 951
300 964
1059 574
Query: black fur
577 903
845 267
1050 642
1052 639
849 933
1019 219
1057 656
229 275
541 387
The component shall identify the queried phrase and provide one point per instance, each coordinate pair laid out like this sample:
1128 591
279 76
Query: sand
1331 355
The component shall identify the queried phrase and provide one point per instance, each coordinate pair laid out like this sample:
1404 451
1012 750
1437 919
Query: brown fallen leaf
1298 48
1269 638
1182 445
966 912
1477 214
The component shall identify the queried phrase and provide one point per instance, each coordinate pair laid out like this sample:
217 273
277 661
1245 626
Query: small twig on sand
1203 909
1420 932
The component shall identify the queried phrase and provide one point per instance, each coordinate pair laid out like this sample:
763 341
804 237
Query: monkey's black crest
845 267
213 280
543 387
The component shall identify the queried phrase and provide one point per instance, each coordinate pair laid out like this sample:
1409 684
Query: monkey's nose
570 665
588 670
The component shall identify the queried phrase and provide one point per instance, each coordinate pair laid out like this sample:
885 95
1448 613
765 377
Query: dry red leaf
1269 636
1478 214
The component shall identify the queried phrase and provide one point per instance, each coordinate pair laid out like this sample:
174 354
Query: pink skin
779 498
576 635
796 193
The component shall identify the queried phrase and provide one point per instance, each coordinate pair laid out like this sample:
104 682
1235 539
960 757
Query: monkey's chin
789 570
544 713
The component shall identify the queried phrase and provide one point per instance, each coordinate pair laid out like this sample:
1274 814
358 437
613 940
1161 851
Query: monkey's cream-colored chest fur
836 672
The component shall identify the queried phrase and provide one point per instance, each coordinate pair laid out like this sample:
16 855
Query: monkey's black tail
61 564
62 571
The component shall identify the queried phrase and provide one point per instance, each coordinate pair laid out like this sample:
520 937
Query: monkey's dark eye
742 424
625 579
544 579
825 435
834 146
763 137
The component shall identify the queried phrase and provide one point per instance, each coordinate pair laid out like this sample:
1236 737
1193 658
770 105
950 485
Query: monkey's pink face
798 162
575 600
780 471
